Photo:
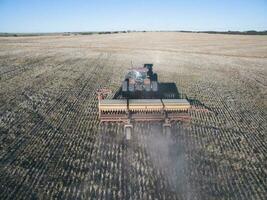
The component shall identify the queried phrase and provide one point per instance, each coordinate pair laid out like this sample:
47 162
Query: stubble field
53 147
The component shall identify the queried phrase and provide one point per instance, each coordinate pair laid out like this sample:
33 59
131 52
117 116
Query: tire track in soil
59 102
13 94
29 65
34 88
73 192
34 130
77 103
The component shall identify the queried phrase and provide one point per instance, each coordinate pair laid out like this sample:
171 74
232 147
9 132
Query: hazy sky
110 15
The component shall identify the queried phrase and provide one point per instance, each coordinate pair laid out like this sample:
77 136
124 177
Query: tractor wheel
154 86
155 77
128 133
125 86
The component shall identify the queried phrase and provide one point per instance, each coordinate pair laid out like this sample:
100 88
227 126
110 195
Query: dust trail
168 156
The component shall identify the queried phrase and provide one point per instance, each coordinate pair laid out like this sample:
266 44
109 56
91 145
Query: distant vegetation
60 33
250 32
28 34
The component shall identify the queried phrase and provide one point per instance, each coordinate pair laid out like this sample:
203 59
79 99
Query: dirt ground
53 147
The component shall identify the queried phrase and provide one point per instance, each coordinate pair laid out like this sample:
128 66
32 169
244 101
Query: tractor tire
155 77
125 86
155 86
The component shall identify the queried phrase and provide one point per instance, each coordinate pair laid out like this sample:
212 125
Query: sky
115 15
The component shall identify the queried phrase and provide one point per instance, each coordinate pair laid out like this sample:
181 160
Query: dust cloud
168 156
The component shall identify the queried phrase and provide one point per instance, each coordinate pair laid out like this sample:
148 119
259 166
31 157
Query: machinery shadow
197 103
169 91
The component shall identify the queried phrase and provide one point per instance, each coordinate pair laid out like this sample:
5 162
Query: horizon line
121 31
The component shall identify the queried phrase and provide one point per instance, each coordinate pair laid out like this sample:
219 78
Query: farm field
53 147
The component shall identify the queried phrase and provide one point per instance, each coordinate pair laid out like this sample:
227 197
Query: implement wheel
128 128
167 130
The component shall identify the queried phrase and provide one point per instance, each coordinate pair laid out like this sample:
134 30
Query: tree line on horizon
249 32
